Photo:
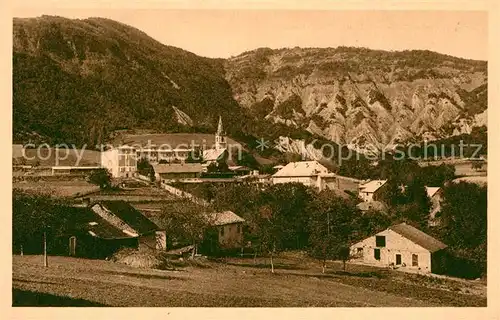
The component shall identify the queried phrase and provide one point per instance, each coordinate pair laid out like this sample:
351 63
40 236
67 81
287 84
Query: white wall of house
307 181
109 160
395 244
120 162
366 196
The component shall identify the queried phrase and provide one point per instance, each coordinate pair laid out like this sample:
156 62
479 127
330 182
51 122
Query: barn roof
223 218
178 168
301 169
421 238
130 215
213 154
431 191
84 219
372 186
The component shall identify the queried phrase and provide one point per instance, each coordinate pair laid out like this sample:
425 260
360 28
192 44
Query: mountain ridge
357 96
79 80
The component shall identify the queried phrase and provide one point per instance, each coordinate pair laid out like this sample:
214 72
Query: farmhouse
309 173
369 191
87 234
404 247
176 171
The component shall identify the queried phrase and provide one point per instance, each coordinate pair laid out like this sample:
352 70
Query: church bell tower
220 139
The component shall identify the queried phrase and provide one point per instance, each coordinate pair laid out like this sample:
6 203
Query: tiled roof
131 216
84 219
431 191
213 154
223 218
301 169
239 168
372 186
373 205
178 168
421 238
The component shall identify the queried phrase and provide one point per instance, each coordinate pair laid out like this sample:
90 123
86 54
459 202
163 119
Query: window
238 229
380 241
414 260
376 254
222 231
398 259
359 252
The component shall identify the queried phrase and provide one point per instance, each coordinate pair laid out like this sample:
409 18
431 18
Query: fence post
45 260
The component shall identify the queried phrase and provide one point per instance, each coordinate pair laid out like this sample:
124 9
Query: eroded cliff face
362 98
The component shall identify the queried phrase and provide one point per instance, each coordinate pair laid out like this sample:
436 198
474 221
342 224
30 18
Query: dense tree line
294 217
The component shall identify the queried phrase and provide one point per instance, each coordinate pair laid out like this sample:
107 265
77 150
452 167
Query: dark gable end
83 219
421 238
131 216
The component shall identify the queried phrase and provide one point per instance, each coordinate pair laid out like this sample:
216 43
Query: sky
226 33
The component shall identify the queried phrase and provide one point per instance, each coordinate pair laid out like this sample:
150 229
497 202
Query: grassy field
234 283
48 157
56 188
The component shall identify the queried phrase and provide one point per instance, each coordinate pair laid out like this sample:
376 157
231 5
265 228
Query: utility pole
45 260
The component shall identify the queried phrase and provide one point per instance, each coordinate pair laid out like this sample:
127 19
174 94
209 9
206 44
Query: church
219 153
121 161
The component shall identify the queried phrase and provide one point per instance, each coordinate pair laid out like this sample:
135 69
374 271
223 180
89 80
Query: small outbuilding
225 233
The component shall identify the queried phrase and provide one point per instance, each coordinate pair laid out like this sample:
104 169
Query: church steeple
219 127
220 140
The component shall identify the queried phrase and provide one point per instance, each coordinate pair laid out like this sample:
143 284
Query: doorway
398 259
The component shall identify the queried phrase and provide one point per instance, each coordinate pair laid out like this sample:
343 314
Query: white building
368 191
401 246
120 161
155 154
309 173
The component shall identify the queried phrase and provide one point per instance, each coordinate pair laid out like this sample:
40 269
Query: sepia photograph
168 157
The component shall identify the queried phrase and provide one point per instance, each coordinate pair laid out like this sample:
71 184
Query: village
142 206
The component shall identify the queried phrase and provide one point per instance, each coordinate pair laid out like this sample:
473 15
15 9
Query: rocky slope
362 98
